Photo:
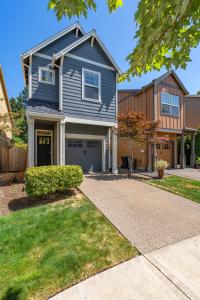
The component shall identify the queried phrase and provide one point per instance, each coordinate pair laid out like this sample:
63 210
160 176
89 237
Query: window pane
175 110
92 144
91 78
174 100
165 109
165 98
91 92
47 76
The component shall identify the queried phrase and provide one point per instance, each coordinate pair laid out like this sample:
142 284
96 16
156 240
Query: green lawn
185 187
51 247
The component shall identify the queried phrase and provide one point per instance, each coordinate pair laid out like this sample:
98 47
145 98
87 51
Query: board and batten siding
74 105
43 91
61 43
169 85
192 112
141 102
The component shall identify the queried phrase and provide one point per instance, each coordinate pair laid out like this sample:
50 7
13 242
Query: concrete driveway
147 216
187 172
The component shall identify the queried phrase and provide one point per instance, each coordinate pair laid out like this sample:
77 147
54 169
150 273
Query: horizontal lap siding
94 53
60 43
169 85
74 106
43 91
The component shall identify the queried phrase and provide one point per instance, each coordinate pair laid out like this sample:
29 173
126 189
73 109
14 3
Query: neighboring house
162 100
5 109
192 111
71 79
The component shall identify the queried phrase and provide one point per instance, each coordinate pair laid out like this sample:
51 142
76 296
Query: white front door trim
43 132
91 137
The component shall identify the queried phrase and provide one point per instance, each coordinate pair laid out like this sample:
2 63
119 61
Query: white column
31 144
62 143
114 154
58 143
109 149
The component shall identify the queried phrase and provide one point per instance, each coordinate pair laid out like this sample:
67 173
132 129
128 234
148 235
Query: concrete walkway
172 272
187 172
149 217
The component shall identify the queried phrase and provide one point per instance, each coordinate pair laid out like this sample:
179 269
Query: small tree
136 129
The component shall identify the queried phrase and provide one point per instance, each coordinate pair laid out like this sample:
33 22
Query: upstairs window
91 85
46 75
170 104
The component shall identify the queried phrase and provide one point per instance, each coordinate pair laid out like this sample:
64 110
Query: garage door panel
86 153
164 151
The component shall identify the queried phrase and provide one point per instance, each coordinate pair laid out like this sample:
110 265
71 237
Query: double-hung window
170 104
91 85
47 75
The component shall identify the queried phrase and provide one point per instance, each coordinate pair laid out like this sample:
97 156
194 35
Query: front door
43 150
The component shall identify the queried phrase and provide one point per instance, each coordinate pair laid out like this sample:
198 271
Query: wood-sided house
162 100
6 135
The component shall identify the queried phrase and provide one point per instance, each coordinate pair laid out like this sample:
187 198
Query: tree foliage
166 31
136 129
197 143
77 8
18 106
198 93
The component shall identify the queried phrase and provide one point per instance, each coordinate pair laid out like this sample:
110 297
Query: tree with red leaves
136 129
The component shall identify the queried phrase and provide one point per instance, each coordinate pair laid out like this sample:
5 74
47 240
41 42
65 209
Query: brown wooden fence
13 159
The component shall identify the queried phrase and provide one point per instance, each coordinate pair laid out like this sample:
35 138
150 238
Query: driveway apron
148 217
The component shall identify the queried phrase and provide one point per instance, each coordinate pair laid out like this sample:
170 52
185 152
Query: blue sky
25 23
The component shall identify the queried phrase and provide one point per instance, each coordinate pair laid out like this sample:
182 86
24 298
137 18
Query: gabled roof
2 82
160 78
52 39
83 39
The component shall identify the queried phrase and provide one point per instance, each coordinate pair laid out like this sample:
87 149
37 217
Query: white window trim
46 69
170 105
83 86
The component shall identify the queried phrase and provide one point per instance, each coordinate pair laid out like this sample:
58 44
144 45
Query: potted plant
160 166
197 162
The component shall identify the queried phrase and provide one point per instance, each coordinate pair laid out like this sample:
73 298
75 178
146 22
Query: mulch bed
13 197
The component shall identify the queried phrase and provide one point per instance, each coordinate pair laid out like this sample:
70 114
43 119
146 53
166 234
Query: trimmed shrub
41 181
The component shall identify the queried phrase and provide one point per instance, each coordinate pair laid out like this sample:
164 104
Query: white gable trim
53 38
80 41
89 61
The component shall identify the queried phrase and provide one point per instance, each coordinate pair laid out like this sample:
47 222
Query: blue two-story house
72 108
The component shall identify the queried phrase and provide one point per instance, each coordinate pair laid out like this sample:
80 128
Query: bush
161 164
41 181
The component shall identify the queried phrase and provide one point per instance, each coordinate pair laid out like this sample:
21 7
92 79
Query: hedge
41 181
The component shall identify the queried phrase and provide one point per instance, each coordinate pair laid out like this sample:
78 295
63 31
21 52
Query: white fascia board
53 38
89 122
83 39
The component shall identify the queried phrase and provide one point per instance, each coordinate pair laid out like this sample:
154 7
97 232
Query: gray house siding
94 53
90 130
61 43
42 91
74 106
